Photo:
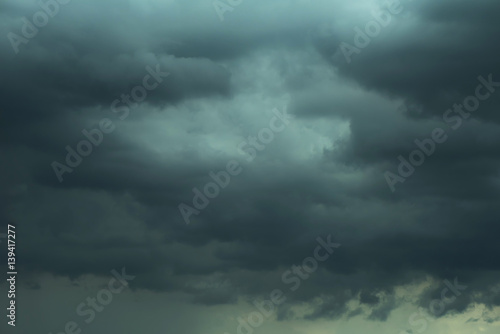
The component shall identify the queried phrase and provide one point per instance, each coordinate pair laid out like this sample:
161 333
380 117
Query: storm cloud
348 119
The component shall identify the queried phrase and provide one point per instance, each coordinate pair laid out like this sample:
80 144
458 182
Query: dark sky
321 119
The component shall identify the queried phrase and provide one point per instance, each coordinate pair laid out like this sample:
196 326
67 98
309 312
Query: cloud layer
322 175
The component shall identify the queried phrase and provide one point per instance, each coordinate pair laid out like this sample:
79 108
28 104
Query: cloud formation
323 176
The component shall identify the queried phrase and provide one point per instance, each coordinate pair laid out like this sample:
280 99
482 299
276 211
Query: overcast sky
206 146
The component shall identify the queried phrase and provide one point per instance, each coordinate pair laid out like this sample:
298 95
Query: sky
251 167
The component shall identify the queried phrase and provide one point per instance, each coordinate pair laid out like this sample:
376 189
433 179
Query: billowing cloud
311 129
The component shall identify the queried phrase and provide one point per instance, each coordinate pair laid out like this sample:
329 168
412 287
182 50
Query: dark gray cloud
322 175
